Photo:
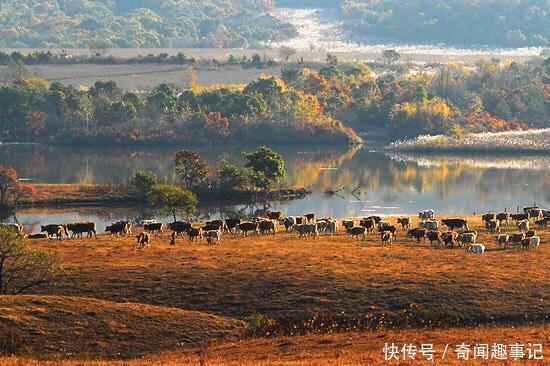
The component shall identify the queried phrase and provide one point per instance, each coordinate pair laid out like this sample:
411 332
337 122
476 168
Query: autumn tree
172 200
11 188
192 169
35 122
23 266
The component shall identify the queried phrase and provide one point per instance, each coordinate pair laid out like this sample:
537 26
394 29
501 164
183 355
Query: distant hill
139 23
493 23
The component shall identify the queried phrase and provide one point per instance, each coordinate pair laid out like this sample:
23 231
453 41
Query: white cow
476 248
523 225
426 215
431 225
534 242
213 236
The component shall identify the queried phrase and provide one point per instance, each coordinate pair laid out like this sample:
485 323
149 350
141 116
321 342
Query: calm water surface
368 181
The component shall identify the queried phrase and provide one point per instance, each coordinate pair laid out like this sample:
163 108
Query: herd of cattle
429 228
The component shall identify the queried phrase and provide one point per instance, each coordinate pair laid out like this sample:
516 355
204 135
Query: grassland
56 194
510 141
145 76
332 290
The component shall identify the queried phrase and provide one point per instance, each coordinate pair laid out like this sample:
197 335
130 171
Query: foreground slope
75 327
351 348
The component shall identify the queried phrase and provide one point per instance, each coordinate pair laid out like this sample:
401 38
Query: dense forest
142 23
502 23
324 105
493 23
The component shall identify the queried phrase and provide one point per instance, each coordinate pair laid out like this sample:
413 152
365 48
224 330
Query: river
368 180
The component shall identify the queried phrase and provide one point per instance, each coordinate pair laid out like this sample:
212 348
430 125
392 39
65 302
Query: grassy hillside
280 277
145 23
74 327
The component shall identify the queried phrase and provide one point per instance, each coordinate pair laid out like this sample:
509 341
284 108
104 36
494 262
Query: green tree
286 52
23 266
266 165
230 176
143 181
390 56
172 200
192 169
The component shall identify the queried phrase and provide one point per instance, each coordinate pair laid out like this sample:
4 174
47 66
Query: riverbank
113 194
529 141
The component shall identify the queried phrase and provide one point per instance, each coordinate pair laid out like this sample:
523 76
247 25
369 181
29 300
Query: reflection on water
366 181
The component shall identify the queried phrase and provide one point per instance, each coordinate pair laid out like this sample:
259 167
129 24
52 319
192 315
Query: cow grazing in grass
232 224
523 225
348 224
492 226
118 228
543 223
392 229
179 227
488 217
530 233
310 217
267 227
418 234
247 227
194 234
155 228
449 238
503 217
434 236
517 238
467 238
357 232
376 219
79 228
426 215
502 240
429 225
275 215
307 230
386 237
143 239
332 227
50 229
476 248
220 223
519 216
369 223
405 222
213 236
452 224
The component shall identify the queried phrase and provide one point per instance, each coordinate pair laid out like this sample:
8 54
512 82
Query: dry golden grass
282 285
73 327
349 348
79 193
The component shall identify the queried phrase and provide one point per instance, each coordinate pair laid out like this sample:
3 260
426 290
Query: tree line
327 104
